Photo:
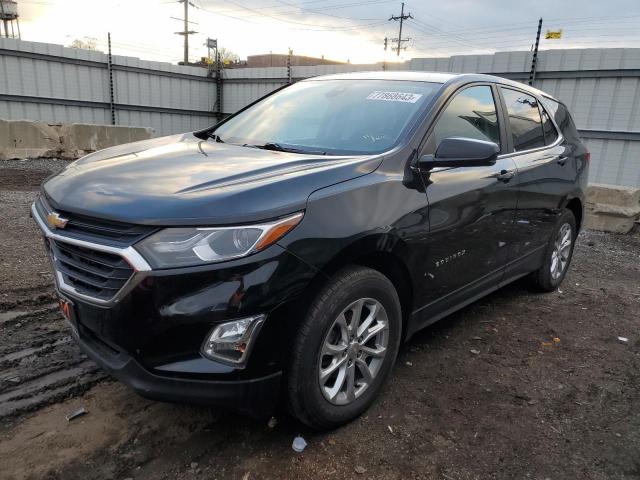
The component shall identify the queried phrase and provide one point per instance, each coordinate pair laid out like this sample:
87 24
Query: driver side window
471 114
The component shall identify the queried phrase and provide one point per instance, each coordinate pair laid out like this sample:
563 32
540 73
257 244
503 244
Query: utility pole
402 18
289 73
186 32
534 59
384 60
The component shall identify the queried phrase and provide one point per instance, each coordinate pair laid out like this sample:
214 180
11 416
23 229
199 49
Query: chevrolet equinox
286 252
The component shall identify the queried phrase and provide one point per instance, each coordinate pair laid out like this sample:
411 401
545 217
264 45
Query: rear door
545 176
471 209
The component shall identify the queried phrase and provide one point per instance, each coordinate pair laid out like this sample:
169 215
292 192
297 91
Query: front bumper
255 397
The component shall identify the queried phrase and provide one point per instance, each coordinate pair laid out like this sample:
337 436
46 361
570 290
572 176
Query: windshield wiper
270 146
280 148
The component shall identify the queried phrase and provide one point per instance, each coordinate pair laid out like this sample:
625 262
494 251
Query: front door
471 209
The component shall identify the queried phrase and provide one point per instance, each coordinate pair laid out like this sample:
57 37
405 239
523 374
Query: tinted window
550 133
471 114
332 116
563 118
524 119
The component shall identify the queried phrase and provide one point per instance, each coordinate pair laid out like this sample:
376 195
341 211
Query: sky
342 30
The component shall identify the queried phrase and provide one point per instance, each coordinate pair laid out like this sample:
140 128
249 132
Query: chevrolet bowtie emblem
54 220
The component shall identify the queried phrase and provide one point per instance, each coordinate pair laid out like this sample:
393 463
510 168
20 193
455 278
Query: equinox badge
54 220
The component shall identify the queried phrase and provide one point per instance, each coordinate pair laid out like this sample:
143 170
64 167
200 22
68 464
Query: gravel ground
552 393
25 268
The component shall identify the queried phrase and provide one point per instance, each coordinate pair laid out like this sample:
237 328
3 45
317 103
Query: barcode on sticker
395 97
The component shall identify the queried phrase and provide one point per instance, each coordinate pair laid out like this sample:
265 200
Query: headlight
180 247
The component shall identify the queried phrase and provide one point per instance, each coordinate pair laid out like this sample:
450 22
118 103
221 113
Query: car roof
435 77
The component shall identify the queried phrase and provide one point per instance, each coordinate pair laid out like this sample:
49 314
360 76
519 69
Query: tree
86 43
227 56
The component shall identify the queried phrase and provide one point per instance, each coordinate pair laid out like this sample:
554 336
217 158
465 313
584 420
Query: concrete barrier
78 138
23 139
27 139
612 208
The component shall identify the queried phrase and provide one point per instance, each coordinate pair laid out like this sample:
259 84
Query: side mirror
462 152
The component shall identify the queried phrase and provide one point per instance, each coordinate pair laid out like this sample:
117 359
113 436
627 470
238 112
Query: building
280 60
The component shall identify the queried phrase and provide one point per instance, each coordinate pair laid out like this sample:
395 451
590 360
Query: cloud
338 29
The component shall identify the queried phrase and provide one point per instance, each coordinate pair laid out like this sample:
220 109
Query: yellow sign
553 35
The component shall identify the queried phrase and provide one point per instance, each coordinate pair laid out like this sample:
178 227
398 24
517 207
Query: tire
325 330
546 278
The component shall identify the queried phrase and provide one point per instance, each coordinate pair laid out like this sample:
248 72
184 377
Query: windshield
330 116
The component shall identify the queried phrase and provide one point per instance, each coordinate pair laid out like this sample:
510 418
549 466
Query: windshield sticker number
394 97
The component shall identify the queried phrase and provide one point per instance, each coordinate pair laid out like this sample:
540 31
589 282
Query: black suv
286 252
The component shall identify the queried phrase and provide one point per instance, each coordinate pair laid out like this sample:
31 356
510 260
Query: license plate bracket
69 311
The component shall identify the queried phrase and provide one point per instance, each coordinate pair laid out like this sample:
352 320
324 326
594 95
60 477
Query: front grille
89 272
95 229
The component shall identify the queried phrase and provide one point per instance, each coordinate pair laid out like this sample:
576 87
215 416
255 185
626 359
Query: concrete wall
29 139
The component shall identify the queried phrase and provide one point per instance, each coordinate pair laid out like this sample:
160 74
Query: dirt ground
552 393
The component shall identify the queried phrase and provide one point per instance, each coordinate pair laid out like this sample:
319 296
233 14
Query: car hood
184 180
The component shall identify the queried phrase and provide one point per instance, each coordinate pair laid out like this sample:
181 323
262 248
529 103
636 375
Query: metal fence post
112 105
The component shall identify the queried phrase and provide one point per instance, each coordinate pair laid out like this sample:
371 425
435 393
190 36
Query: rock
360 469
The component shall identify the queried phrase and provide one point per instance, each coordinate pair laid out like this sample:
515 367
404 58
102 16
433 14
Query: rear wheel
558 254
344 349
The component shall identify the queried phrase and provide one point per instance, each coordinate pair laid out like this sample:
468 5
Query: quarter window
550 133
471 114
524 119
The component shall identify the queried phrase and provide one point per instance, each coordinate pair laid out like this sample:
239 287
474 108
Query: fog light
231 342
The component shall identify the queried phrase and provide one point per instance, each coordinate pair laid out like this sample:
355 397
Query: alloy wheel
353 351
561 251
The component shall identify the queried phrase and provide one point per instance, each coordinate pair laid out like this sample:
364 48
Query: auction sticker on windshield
395 96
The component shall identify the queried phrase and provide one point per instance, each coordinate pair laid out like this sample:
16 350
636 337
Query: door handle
505 175
562 160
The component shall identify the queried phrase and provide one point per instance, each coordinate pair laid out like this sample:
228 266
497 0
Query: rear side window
524 119
470 114
562 117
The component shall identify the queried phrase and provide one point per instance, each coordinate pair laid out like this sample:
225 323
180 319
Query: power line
324 28
499 37
258 10
520 39
425 27
316 12
265 14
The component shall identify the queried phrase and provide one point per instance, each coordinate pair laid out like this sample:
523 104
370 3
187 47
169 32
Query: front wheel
344 349
558 254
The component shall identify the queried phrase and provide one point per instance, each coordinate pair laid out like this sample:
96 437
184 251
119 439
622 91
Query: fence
57 84
40 81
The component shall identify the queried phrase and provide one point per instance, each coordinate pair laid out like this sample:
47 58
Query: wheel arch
576 207
384 253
